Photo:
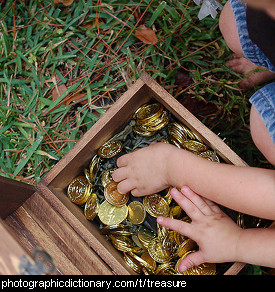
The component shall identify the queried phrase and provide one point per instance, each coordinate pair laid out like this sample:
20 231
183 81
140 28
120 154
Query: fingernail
160 219
182 269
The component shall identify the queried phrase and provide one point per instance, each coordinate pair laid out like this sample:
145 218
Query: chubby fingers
177 225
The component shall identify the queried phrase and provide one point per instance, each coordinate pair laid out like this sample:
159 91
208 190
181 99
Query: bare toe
255 79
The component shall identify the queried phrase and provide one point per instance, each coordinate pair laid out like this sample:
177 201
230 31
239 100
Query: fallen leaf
146 34
65 2
58 89
76 98
183 79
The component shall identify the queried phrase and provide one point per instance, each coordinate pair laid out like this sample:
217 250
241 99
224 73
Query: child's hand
145 171
215 233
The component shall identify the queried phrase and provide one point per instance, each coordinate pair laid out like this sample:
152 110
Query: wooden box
66 234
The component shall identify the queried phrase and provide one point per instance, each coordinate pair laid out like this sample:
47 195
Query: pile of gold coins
128 222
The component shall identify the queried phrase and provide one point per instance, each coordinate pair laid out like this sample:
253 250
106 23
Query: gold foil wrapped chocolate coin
136 212
91 207
110 149
79 190
156 205
110 215
113 196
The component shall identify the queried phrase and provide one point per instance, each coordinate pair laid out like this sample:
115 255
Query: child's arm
151 169
218 237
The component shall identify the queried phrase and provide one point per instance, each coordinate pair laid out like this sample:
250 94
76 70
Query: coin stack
150 118
128 222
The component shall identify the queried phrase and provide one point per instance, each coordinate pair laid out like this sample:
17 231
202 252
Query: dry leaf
146 34
65 2
76 98
58 89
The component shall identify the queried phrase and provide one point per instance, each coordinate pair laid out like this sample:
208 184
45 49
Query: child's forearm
256 247
245 189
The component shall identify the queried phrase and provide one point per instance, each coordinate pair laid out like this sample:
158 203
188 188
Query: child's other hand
144 172
215 233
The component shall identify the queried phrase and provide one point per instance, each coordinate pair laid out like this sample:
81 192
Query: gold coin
91 207
169 244
106 176
209 155
115 227
113 196
93 167
110 214
139 109
202 269
146 257
156 251
143 131
156 205
145 235
194 146
110 149
121 242
143 262
78 190
136 212
166 269
186 246
132 263
150 112
179 238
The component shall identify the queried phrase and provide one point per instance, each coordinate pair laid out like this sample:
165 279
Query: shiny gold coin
195 146
115 227
143 262
156 251
78 190
143 131
175 212
186 246
175 142
93 167
139 109
113 196
202 269
146 257
159 123
87 175
136 212
121 242
150 112
110 215
145 235
91 207
166 269
156 205
209 155
132 263
169 244
106 176
179 238
110 149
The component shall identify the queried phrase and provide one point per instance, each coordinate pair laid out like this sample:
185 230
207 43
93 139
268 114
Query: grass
62 67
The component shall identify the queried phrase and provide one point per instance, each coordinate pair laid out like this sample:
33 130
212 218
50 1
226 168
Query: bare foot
255 74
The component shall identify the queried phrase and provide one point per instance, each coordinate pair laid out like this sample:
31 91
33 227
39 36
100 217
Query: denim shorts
264 99
251 51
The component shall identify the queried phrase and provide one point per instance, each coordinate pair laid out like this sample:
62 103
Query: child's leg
239 63
261 136
229 30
